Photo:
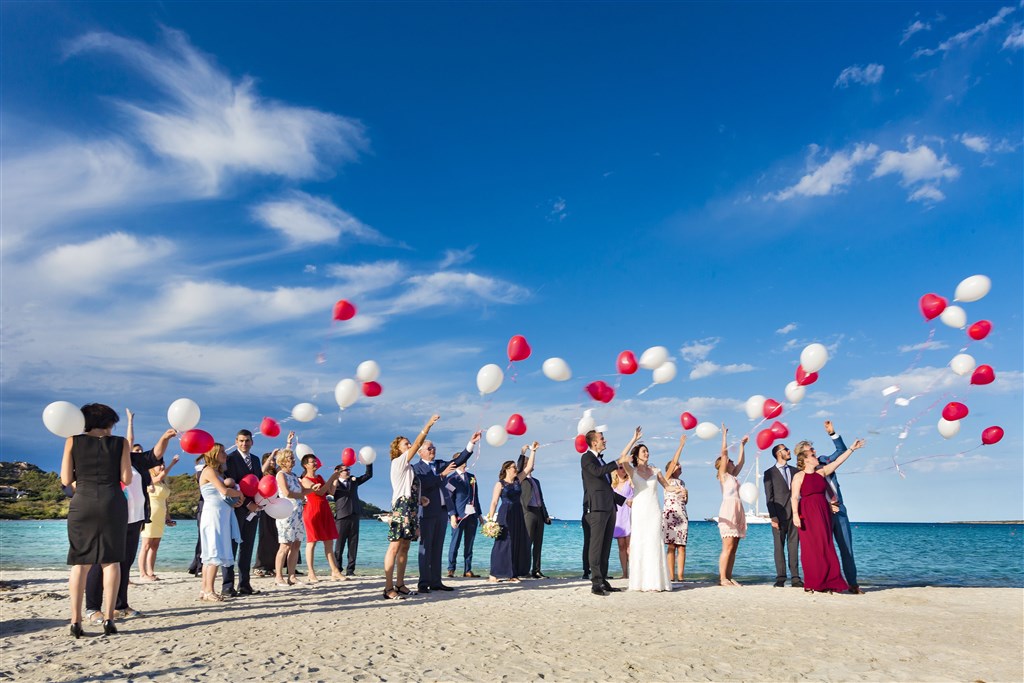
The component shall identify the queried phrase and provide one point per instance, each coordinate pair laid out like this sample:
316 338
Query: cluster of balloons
183 415
969 290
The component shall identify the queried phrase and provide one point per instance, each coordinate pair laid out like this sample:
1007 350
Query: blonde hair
286 454
801 453
395 449
210 457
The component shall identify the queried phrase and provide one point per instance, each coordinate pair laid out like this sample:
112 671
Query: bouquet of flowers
491 528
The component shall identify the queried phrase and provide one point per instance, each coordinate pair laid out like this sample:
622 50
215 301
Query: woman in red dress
317 516
812 516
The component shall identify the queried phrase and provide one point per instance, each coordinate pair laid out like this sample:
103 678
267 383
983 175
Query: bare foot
734 582
339 577
726 583
492 579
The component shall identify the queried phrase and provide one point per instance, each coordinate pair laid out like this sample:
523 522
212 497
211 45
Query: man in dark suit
348 511
599 503
433 515
240 464
536 514
464 516
777 480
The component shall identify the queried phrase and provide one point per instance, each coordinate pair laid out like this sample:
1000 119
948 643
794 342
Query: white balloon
954 316
755 406
972 288
706 430
183 414
489 379
346 392
963 364
556 369
304 412
748 493
302 450
666 372
813 357
367 455
653 357
368 371
794 392
586 422
948 428
64 419
496 435
278 508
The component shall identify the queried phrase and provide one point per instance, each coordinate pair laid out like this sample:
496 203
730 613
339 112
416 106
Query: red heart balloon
688 420
343 310
979 330
518 348
268 486
772 409
269 428
626 363
803 378
515 426
371 389
932 305
983 374
607 394
597 390
581 444
765 439
954 411
348 457
249 485
779 430
196 441
992 435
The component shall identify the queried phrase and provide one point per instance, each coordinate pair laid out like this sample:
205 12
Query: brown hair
395 450
210 457
635 453
504 468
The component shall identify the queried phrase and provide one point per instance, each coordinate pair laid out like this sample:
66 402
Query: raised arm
161 445
794 497
738 467
528 467
174 461
831 467
420 438
637 433
674 462
129 433
723 459
837 441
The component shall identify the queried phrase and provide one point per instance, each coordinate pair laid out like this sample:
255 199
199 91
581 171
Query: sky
187 188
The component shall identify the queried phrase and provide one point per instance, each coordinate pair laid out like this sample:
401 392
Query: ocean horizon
951 554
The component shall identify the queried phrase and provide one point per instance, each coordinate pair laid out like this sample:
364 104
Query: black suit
348 510
599 507
536 517
236 469
777 498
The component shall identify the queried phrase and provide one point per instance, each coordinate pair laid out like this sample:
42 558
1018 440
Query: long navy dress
510 556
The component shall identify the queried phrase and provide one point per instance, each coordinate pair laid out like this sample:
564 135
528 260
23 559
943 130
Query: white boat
384 517
753 516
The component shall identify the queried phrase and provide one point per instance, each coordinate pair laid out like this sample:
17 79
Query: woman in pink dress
812 516
732 522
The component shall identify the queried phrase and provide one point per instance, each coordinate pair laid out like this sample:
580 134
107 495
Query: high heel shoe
76 630
109 628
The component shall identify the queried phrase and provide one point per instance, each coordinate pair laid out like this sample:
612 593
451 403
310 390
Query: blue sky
188 188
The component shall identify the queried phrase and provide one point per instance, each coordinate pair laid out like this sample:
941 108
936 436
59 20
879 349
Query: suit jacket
432 485
598 495
236 469
346 495
777 493
464 491
528 484
822 461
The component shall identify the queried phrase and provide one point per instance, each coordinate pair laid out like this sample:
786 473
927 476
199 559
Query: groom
599 502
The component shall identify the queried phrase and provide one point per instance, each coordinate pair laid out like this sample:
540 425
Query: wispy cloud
923 346
975 143
965 37
708 368
786 329
1015 40
864 75
831 176
95 264
929 379
305 220
449 289
695 351
367 277
558 210
457 257
919 166
913 28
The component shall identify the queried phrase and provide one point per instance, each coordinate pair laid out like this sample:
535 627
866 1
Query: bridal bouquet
491 528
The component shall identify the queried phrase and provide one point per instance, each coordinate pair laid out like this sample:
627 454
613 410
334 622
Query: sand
551 630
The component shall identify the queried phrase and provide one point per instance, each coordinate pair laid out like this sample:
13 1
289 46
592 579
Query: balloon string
908 462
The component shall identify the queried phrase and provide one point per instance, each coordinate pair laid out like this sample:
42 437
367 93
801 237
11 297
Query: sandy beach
538 630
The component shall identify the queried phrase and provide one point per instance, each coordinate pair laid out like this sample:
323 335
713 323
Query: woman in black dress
510 555
96 464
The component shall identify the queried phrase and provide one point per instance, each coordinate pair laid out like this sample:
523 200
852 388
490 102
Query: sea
887 554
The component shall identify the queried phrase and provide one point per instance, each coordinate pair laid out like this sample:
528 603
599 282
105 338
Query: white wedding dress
648 570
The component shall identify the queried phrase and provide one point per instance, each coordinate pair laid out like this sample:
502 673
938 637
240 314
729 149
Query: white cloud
95 264
965 36
219 126
305 220
695 351
923 346
786 329
309 269
457 257
367 277
975 143
915 26
865 75
831 176
708 368
1015 40
558 211
929 379
927 194
450 289
918 165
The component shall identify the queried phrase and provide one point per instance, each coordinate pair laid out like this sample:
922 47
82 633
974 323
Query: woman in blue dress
218 526
510 555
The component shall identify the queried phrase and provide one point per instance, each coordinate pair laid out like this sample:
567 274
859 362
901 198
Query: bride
647 568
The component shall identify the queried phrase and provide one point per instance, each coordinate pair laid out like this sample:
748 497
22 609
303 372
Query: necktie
607 477
785 475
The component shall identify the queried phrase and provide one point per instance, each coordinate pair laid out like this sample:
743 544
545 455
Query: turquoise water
887 554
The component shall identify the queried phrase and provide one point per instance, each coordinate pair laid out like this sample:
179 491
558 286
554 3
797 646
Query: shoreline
552 629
